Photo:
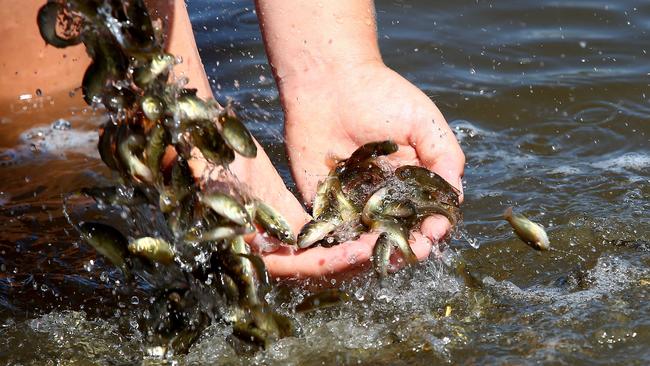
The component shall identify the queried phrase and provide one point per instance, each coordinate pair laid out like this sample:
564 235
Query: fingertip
421 246
451 166
320 261
443 156
435 227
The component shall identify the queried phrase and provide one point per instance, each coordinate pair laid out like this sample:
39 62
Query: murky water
550 102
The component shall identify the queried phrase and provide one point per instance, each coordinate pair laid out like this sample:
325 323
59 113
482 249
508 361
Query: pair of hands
332 118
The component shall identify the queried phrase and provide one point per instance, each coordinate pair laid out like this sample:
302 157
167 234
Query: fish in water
531 233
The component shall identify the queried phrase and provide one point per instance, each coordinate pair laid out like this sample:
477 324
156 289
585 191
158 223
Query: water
549 100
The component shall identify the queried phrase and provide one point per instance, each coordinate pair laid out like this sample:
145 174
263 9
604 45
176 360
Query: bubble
61 124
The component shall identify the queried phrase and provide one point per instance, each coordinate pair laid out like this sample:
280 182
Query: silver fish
531 233
227 207
154 249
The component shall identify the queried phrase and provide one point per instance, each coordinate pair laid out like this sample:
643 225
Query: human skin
337 94
334 89
28 64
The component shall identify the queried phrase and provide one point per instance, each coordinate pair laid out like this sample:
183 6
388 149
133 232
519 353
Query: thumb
439 151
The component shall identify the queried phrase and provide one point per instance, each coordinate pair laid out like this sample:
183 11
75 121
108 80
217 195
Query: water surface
549 100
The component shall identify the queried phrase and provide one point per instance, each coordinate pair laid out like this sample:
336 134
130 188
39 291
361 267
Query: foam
631 160
47 142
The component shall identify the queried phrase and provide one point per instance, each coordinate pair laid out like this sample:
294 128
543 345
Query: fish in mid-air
531 233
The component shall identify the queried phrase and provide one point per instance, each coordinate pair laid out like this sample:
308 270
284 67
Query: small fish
237 136
229 287
181 218
191 108
381 255
359 180
372 150
251 334
330 201
105 145
227 207
447 311
167 201
108 242
94 82
262 274
531 233
284 324
243 271
314 231
372 209
322 197
152 107
139 27
127 150
425 178
212 145
217 233
273 223
159 65
428 203
157 141
154 249
323 299
182 181
109 66
116 196
47 24
397 235
399 209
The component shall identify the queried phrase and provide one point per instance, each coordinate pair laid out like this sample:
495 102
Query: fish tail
507 214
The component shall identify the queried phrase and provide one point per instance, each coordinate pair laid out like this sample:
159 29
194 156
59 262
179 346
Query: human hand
330 117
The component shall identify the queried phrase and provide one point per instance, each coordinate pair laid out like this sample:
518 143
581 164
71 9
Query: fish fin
507 214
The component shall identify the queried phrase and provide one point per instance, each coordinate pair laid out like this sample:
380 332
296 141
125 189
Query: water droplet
61 124
135 300
583 44
39 92
359 294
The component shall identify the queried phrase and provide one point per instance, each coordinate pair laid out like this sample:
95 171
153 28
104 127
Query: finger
439 151
320 261
435 228
421 246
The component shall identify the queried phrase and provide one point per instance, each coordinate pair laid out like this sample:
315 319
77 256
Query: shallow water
548 100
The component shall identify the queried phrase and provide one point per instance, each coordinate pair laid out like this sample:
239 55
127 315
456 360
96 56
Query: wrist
323 82
307 41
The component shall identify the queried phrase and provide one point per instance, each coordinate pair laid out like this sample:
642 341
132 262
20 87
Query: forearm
307 39
180 42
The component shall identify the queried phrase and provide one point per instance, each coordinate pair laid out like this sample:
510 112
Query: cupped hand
328 118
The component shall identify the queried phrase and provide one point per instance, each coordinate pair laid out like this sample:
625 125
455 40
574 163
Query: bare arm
310 39
337 95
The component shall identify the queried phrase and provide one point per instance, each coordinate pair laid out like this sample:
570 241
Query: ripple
630 161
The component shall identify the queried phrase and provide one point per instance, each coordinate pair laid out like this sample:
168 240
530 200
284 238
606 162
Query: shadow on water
549 102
